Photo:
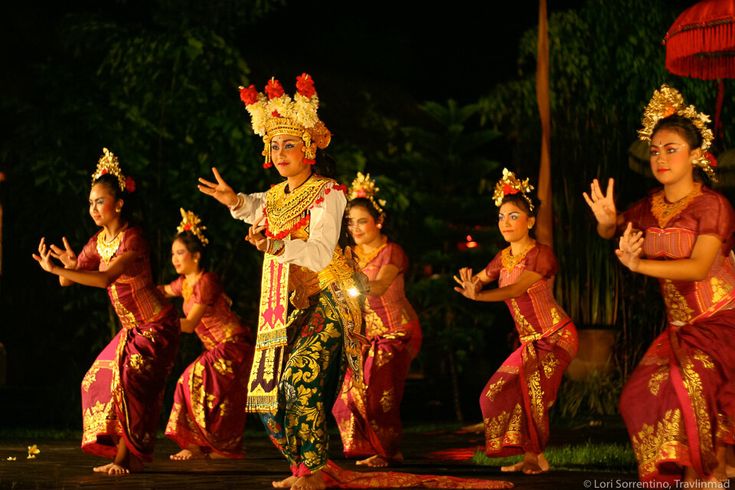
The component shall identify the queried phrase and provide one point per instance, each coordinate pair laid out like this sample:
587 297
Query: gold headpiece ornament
510 184
363 186
668 101
109 164
191 222
275 113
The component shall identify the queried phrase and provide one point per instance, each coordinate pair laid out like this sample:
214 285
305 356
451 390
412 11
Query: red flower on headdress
508 189
103 171
275 114
361 193
129 184
305 85
249 95
274 89
669 111
187 227
711 159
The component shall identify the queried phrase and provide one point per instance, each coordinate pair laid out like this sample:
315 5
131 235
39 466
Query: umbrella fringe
706 52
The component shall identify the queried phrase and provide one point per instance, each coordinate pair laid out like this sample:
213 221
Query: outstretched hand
630 248
218 190
469 284
65 256
602 205
43 257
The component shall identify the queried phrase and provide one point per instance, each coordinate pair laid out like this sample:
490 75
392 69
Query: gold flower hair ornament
510 184
275 112
363 186
191 222
109 164
668 101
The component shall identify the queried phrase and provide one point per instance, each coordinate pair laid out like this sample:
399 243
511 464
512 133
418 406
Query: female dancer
679 403
516 400
208 416
122 393
369 419
296 224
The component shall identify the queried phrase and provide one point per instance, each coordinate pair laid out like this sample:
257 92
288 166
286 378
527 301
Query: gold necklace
364 258
511 261
665 211
187 288
106 249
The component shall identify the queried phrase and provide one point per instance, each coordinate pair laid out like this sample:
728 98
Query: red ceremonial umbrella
701 44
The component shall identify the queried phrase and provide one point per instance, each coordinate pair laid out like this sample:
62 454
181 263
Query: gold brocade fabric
272 337
665 211
286 210
288 217
666 441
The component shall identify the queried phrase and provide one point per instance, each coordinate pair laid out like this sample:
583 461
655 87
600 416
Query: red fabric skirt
369 419
515 402
122 393
336 477
209 401
679 403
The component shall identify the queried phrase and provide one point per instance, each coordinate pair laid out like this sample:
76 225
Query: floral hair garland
275 112
110 164
191 222
667 101
510 184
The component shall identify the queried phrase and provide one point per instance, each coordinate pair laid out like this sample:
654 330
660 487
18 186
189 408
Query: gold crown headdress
109 164
191 222
277 113
510 184
363 186
668 101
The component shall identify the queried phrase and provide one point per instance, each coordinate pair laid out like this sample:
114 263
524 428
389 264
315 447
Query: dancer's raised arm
603 206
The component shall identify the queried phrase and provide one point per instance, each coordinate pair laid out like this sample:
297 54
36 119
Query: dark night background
431 100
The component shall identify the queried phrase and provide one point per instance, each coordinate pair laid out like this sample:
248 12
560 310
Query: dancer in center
516 400
369 420
310 316
297 224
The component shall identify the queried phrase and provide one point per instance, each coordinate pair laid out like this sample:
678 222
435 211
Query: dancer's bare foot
373 461
111 469
311 482
512 468
189 453
532 465
543 462
102 469
532 469
285 483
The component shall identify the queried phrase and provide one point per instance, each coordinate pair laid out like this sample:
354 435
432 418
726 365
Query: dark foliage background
431 101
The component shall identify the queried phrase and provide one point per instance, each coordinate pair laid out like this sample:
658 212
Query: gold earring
380 225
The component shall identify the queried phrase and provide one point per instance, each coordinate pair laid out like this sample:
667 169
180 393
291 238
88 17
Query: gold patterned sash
272 337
